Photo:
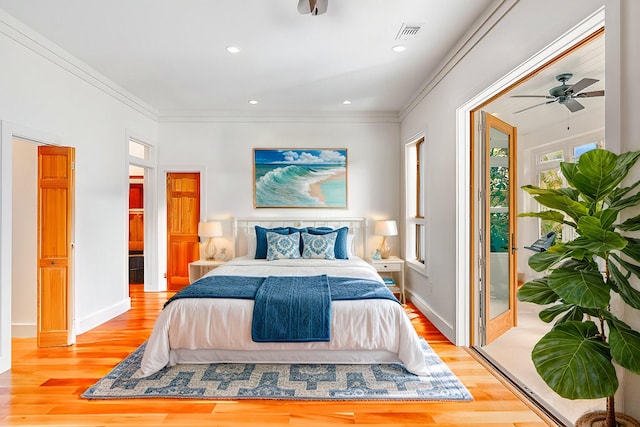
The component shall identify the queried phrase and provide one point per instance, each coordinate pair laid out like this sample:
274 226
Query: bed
219 329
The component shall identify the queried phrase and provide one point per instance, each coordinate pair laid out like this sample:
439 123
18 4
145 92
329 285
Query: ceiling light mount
314 7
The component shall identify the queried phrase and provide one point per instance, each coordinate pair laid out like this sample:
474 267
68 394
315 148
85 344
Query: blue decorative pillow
282 246
261 239
340 248
319 246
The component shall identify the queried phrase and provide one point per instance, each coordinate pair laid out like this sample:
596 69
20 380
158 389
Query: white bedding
203 330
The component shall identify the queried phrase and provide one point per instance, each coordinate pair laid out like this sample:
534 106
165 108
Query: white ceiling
171 53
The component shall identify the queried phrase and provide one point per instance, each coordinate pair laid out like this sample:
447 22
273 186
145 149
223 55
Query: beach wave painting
293 178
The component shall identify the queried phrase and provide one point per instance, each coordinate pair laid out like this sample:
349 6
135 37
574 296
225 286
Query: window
416 248
549 175
138 150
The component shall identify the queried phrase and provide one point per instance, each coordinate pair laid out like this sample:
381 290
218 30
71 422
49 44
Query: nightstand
199 268
394 266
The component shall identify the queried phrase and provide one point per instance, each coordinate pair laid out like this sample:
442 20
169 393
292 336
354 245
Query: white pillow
319 245
251 245
351 245
282 246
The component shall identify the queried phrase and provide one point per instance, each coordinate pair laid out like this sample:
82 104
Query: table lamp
384 229
210 230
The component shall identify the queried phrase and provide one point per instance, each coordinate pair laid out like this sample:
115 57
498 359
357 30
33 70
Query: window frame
416 224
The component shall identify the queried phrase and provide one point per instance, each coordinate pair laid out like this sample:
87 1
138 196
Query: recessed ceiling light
253 102
346 102
232 49
399 48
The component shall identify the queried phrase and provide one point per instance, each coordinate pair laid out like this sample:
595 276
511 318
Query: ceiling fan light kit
565 94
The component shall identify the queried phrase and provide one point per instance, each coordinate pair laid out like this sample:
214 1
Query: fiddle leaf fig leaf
632 250
600 171
631 224
621 283
538 292
545 215
597 239
574 361
563 203
585 288
543 260
625 345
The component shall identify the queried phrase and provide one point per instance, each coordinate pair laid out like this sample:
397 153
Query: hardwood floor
44 385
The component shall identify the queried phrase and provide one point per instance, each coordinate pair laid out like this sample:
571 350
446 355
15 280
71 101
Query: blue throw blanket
292 309
247 287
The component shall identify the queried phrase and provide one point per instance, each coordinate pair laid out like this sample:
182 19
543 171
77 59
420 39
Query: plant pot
597 419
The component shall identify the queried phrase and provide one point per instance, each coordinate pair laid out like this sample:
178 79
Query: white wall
521 33
24 245
224 151
44 92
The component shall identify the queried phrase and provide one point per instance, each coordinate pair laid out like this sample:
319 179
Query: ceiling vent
408 31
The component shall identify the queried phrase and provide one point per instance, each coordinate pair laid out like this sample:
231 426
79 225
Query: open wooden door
499 229
183 215
55 240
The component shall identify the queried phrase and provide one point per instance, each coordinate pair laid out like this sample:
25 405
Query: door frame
9 131
151 254
466 321
163 170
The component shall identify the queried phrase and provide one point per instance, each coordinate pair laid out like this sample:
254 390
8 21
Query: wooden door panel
55 215
53 289
500 307
183 215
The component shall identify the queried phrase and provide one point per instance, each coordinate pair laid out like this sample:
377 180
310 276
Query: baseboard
442 325
96 319
24 330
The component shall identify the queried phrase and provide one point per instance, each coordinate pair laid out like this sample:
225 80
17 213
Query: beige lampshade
386 228
210 229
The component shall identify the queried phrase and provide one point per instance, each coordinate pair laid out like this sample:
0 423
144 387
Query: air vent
408 31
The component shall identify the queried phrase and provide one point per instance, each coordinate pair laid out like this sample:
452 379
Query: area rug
282 381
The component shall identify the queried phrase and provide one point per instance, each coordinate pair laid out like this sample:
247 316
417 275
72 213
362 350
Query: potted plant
577 357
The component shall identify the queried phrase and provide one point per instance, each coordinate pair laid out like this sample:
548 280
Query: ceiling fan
314 7
565 94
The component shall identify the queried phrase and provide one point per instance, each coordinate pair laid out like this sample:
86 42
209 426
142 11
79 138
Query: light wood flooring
44 385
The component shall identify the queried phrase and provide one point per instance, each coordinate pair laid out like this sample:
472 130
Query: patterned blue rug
282 381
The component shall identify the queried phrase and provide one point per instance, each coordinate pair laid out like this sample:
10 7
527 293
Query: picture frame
300 178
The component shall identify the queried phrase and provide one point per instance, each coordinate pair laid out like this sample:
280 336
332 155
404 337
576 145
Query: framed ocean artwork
300 178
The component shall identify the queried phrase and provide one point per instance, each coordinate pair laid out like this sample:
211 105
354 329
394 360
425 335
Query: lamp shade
386 228
210 229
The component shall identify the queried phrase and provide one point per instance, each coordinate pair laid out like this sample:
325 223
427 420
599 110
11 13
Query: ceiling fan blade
579 86
573 105
534 106
590 94
532 96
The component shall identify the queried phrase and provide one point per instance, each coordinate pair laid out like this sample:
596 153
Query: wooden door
55 234
183 215
499 230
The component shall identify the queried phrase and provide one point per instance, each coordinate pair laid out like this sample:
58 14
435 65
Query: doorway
545 128
41 241
183 216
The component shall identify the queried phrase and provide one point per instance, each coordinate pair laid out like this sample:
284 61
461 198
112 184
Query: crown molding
276 117
30 39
